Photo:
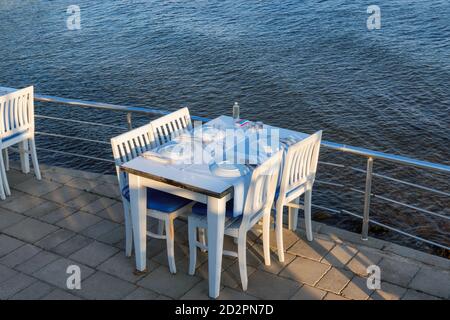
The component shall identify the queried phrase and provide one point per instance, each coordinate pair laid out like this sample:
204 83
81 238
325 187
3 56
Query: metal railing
369 154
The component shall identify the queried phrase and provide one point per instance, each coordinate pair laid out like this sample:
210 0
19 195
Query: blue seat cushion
13 136
201 209
159 200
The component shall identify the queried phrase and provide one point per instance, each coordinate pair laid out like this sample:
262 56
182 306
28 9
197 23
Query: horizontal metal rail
80 122
75 155
71 137
152 111
334 212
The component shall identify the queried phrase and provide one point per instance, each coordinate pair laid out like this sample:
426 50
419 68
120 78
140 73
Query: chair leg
128 229
170 240
242 257
34 159
192 230
279 232
3 178
24 156
293 216
308 222
161 227
5 152
5 184
202 237
266 238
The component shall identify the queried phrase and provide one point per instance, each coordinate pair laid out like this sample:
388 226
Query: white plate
228 169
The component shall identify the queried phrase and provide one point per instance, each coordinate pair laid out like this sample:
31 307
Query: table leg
216 225
138 204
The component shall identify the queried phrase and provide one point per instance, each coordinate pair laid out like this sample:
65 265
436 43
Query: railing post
130 125
367 195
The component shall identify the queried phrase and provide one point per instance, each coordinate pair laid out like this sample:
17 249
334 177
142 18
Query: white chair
17 127
161 205
258 204
172 125
299 173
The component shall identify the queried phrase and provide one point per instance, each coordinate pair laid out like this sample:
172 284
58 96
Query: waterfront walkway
75 218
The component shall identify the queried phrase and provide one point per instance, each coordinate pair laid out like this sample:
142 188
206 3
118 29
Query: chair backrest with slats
172 125
300 163
261 192
129 145
17 112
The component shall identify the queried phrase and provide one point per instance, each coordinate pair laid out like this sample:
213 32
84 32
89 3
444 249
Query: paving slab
114 236
388 291
423 257
357 289
275 265
309 293
56 177
71 245
9 244
37 262
59 294
305 271
335 280
35 291
123 267
94 254
54 239
37 188
30 230
21 203
314 250
8 218
63 195
235 294
99 205
101 286
6 273
82 200
99 229
83 184
58 214
333 296
142 294
416 295
107 190
397 271
340 255
14 285
16 177
42 209
362 260
199 292
432 281
79 221
268 286
19 255
173 285
113 213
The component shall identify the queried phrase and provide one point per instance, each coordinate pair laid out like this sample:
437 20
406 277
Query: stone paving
75 218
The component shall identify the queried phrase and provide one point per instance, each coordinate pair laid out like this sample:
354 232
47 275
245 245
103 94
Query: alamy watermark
73 22
74 280
374 20
374 277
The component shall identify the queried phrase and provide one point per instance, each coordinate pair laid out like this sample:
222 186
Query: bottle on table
236 111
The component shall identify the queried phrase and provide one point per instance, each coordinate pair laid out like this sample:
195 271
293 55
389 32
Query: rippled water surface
304 65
